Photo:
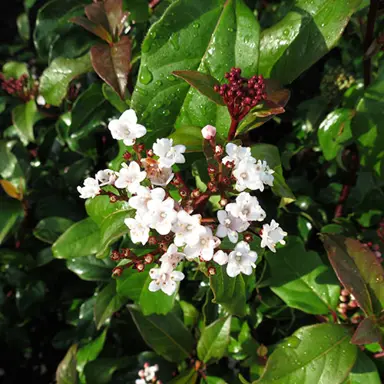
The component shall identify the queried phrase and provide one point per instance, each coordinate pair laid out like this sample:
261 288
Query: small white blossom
230 226
241 260
187 229
247 176
148 374
143 196
140 381
236 154
271 235
246 207
220 257
91 188
157 176
168 154
164 278
266 174
126 128
161 215
106 177
139 230
204 247
40 100
208 132
172 257
130 177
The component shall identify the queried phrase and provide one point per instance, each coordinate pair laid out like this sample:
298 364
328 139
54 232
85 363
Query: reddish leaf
275 92
367 332
96 29
116 16
202 82
358 270
96 13
112 63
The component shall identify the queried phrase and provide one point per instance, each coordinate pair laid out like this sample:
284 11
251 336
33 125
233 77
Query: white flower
241 260
266 174
139 230
164 278
247 176
140 381
168 155
156 175
220 257
230 226
106 177
208 132
40 100
161 215
237 153
130 177
187 229
246 207
126 128
172 257
148 374
143 196
91 188
204 247
271 235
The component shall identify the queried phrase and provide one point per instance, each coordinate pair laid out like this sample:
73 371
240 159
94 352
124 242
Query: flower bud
262 351
152 240
208 132
219 150
148 259
127 156
140 267
115 256
113 198
248 237
117 272
212 271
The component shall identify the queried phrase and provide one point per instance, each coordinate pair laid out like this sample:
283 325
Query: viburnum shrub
191 192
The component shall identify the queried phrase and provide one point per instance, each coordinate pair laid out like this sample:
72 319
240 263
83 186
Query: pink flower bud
208 132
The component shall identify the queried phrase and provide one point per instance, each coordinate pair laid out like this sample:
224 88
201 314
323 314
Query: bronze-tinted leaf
96 13
112 63
96 29
367 332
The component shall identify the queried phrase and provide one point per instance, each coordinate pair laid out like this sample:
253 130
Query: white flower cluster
148 374
157 211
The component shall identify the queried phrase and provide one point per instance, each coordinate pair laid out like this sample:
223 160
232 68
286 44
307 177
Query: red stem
232 129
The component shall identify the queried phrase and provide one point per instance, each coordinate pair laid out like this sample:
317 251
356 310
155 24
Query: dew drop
196 25
166 112
231 30
141 91
171 78
159 83
145 75
175 41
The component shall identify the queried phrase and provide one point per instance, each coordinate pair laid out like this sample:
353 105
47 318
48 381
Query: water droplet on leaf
145 75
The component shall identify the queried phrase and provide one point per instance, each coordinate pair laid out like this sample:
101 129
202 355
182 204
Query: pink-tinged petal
153 286
177 275
220 257
169 203
163 228
155 273
129 116
169 287
233 269
222 231
121 183
221 216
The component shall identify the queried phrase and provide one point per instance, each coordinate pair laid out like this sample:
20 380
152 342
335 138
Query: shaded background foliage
58 301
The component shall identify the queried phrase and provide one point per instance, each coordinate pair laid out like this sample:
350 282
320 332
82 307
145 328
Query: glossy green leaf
302 280
81 239
114 99
14 69
100 208
134 285
358 269
11 213
188 377
55 79
166 335
8 160
23 28
191 314
66 371
296 360
190 137
107 303
335 131
209 36
230 292
49 229
367 332
302 37
214 340
363 372
91 268
24 116
101 370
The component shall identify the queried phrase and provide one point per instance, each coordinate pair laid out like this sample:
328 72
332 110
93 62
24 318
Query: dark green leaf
364 371
302 37
101 370
301 280
114 98
188 377
214 340
66 371
56 78
297 361
167 334
358 269
191 314
23 26
82 239
91 268
49 229
11 212
24 116
209 36
29 296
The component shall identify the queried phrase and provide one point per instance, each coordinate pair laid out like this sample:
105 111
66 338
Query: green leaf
190 137
90 351
229 292
335 131
14 69
301 280
81 239
367 332
358 270
214 340
100 207
302 37
91 268
114 99
23 28
101 370
49 229
297 361
203 82
11 212
364 371
55 79
209 36
66 371
187 377
107 303
24 116
166 335
191 314
134 285
112 63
